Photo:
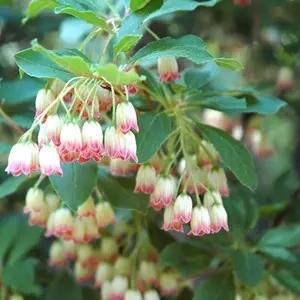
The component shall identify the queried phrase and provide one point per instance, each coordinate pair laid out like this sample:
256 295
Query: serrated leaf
229 63
138 4
249 267
21 277
191 263
37 6
119 192
72 60
10 185
188 46
171 6
86 15
217 287
115 76
20 91
154 130
126 43
38 65
234 155
27 239
63 287
82 179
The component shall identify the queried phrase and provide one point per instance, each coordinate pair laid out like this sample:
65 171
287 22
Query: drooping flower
49 161
151 295
119 286
23 158
87 209
145 179
218 181
164 190
81 273
43 100
122 266
121 167
87 256
71 138
126 117
53 127
105 99
85 230
148 273
39 218
183 209
157 206
104 273
92 137
104 214
218 217
110 140
169 284
133 295
42 136
200 222
285 78
217 119
207 153
106 290
52 201
57 86
70 250
131 146
168 217
56 254
109 248
210 198
34 200
168 69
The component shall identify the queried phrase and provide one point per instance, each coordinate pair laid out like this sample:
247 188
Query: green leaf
63 287
115 76
126 43
81 180
188 46
20 276
288 280
154 130
70 59
171 6
86 15
10 185
193 262
36 64
8 233
138 4
283 236
234 155
119 192
249 267
195 78
151 81
263 105
217 287
229 63
5 148
37 6
20 91
133 22
27 239
278 253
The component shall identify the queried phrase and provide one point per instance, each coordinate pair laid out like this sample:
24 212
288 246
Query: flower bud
70 250
104 214
110 140
145 179
164 190
200 222
104 273
87 209
183 209
34 200
105 99
23 158
71 139
126 117
168 217
207 152
218 180
109 247
87 256
56 256
81 273
39 218
43 100
52 201
168 69
285 78
53 129
119 286
120 167
57 86
92 137
63 223
133 295
210 198
106 291
49 161
169 284
122 266
42 135
218 218
151 295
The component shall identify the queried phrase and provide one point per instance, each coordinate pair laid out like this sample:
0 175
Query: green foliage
37 6
126 43
119 192
138 4
229 63
234 155
195 78
76 184
10 185
155 129
249 267
288 280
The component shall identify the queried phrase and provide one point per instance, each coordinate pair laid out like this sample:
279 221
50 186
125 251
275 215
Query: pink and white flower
148 273
70 250
119 286
151 295
92 137
156 206
34 200
200 222
121 167
122 266
87 256
71 138
218 180
82 274
23 158
131 146
105 99
56 254
39 218
168 217
145 179
49 161
53 127
43 100
52 201
164 190
104 214
218 217
106 290
183 209
133 295
109 248
207 153
210 198
169 284
126 117
104 273
168 69
87 209
57 86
